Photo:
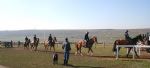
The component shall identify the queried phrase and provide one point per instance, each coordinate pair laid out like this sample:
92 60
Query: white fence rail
137 47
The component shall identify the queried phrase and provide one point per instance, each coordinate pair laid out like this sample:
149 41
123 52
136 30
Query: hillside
107 35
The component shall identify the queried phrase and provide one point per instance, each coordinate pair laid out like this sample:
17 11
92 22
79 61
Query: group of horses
48 45
79 44
7 44
34 44
88 44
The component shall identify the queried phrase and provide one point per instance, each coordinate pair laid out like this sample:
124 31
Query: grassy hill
103 35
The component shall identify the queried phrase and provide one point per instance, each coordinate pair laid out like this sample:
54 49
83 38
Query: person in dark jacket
34 39
50 39
86 37
67 48
127 37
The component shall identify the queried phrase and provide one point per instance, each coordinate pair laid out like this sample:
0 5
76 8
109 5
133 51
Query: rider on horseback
50 39
127 37
34 38
86 37
26 39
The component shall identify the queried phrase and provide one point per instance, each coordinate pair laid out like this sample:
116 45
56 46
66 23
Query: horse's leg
50 47
88 51
28 46
46 48
77 51
91 51
54 48
135 52
35 47
80 52
129 51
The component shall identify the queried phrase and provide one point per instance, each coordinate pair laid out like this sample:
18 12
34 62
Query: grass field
102 58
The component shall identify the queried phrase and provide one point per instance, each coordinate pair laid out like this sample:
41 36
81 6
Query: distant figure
50 39
26 39
55 58
67 48
34 39
19 43
11 43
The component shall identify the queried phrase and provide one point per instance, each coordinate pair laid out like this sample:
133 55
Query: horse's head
137 38
140 37
94 38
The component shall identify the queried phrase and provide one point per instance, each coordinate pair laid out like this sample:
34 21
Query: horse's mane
136 38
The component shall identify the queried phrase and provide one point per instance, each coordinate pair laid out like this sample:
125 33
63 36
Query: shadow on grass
52 52
70 65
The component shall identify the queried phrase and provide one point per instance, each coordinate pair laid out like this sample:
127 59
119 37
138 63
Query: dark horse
27 43
36 43
82 43
133 41
7 44
52 44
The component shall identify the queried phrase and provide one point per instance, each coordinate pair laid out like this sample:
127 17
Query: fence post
104 44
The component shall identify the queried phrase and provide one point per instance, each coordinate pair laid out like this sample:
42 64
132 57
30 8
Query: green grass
103 57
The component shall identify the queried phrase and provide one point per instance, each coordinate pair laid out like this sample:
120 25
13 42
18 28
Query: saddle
86 44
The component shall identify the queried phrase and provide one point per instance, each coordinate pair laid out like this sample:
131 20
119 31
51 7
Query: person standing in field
67 48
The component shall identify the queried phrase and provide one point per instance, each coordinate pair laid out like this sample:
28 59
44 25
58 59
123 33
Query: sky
74 14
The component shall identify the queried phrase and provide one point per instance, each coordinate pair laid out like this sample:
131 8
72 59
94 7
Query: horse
36 43
52 44
133 41
48 44
32 45
88 44
55 39
26 44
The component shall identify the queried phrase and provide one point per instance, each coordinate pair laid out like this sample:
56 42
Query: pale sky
74 14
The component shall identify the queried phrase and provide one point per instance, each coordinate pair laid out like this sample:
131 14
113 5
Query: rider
127 37
34 38
26 39
50 39
86 37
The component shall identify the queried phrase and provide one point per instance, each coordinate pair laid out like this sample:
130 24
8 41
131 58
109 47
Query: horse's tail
114 46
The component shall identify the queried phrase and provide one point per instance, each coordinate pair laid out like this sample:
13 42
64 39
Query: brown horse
82 43
49 44
46 45
133 41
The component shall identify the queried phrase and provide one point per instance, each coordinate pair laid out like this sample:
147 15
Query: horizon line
78 29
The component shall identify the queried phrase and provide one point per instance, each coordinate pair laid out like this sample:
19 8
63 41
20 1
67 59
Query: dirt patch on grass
1 66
